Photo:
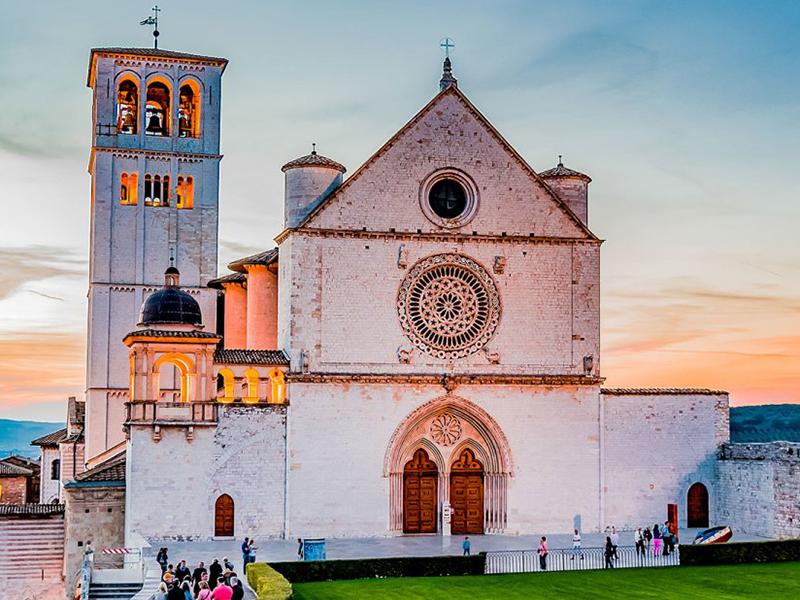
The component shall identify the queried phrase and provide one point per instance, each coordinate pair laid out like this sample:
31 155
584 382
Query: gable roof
450 90
51 439
109 472
8 469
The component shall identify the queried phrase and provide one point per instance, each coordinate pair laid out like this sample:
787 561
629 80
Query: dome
170 305
313 160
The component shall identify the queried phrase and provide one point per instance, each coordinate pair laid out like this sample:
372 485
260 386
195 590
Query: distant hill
16 436
765 423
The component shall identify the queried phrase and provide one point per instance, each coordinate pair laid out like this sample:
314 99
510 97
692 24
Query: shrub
740 552
408 566
267 583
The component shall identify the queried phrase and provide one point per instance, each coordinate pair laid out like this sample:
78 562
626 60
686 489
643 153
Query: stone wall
13 490
94 516
173 483
760 489
657 444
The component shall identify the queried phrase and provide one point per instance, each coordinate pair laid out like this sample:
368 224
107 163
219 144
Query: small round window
447 198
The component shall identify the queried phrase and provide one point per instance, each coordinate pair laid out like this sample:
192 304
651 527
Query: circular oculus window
448 306
449 198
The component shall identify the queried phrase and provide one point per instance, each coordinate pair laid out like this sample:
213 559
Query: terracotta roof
111 470
51 439
661 392
31 509
171 333
154 53
561 171
230 278
450 89
268 257
251 357
11 470
22 461
313 160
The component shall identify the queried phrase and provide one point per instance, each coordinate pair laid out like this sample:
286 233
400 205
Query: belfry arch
445 428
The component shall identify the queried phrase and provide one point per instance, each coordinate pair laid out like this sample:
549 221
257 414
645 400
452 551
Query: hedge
368 568
267 583
740 552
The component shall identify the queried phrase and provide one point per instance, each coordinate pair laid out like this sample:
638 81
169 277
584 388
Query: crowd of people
218 581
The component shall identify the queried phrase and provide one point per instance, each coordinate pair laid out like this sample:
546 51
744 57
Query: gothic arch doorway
697 506
420 494
223 516
466 494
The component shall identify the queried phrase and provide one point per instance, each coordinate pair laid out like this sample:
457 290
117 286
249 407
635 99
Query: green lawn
761 581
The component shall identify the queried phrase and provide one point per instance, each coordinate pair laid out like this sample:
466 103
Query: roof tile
250 357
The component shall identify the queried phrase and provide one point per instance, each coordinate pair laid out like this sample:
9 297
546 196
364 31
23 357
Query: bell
154 124
184 123
128 124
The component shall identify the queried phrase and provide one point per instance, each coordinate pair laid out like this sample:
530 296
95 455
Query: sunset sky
685 114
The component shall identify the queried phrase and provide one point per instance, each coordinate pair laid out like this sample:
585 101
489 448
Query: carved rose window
445 430
448 306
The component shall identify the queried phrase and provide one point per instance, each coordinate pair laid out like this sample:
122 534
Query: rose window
445 430
448 306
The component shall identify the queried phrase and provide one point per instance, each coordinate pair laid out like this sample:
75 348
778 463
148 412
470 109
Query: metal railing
152 411
583 559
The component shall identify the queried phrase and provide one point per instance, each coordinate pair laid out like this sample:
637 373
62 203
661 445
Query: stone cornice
166 154
436 236
447 381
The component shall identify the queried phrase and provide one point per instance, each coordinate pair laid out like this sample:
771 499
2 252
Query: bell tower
154 166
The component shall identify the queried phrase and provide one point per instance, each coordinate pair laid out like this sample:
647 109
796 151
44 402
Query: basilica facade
418 352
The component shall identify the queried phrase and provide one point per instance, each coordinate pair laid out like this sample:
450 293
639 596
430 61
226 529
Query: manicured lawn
761 581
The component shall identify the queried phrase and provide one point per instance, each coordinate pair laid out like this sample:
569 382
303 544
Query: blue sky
685 114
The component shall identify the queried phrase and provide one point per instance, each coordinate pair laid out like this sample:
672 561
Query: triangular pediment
387 193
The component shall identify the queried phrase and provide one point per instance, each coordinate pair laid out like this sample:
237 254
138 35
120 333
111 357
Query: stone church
418 351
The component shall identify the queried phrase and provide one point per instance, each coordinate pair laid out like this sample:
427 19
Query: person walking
638 541
648 537
187 590
214 573
161 592
197 576
299 548
466 546
205 591
182 571
238 589
576 546
542 551
162 560
608 552
227 564
615 541
656 540
175 592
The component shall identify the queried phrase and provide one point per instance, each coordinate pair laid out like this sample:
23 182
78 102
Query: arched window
189 110
127 107
225 385
185 191
156 190
55 469
128 189
278 386
251 376
174 372
157 109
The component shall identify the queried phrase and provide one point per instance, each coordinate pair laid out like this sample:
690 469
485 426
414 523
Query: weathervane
154 22
447 43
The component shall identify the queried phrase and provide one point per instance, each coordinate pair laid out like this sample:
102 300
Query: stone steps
113 591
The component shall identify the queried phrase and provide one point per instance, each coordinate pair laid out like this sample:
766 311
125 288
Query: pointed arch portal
468 464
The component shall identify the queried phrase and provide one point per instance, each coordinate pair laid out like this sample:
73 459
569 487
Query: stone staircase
32 548
113 591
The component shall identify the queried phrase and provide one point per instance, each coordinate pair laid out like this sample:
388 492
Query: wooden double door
420 494
697 506
223 516
466 494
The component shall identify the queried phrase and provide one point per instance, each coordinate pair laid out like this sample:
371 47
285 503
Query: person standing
182 571
175 592
162 560
205 591
638 541
161 593
299 548
542 551
222 591
608 552
576 546
466 546
197 576
245 553
656 540
214 573
648 536
238 589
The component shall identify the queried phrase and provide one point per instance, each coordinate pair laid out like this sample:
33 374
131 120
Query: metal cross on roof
447 43
154 22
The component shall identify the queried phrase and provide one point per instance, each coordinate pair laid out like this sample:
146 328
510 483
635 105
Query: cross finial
313 148
154 22
447 43
560 162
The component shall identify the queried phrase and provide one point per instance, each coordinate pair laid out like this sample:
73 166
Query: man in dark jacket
214 573
238 589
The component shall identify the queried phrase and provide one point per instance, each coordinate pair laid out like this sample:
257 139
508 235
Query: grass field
761 581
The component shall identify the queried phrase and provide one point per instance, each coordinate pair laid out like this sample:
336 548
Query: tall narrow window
165 191
156 190
189 110
185 191
127 107
148 190
157 109
55 469
128 189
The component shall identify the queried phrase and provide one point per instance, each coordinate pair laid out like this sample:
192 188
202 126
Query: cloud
24 265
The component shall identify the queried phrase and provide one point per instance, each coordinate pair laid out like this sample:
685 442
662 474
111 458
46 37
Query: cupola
170 305
309 180
572 188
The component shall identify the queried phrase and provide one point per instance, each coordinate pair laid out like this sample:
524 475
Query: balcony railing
527 561
149 411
